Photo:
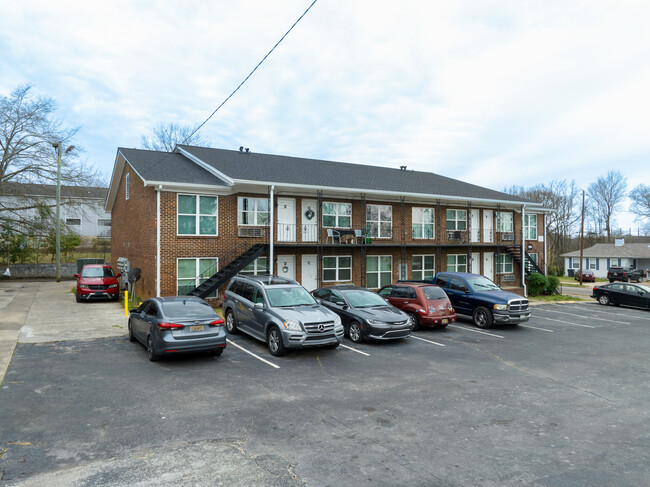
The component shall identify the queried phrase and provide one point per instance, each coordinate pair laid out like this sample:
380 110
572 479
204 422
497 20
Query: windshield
432 293
188 310
364 299
284 297
481 283
97 272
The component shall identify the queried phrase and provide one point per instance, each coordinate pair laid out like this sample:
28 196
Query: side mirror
134 310
258 306
345 306
118 275
76 276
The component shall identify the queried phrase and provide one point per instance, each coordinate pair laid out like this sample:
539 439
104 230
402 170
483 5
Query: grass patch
554 298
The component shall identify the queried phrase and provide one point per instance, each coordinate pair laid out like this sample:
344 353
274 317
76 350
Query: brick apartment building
182 216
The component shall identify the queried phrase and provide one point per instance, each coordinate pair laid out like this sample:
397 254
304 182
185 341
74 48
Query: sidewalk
46 311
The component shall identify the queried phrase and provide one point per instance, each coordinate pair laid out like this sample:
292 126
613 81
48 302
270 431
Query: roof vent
241 148
402 168
247 149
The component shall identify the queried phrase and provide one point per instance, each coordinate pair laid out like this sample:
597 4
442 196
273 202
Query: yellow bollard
126 303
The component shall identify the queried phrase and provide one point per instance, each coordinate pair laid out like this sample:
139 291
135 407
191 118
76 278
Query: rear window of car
187 309
97 272
432 293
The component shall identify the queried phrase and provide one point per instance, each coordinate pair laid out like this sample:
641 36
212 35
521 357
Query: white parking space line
477 331
536 328
355 350
565 322
589 317
428 341
251 353
620 312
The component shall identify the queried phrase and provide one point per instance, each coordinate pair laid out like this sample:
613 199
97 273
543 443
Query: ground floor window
190 273
591 263
423 267
535 259
457 263
379 271
257 267
504 264
337 268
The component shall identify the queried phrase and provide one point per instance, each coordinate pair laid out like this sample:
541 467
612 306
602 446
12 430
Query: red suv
426 304
97 281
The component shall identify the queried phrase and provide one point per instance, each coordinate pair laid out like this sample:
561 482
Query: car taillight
594 289
218 322
168 326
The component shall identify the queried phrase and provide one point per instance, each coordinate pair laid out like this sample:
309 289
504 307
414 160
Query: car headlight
501 307
337 321
110 286
375 322
83 286
292 326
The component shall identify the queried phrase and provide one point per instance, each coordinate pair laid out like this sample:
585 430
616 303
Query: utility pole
57 146
582 233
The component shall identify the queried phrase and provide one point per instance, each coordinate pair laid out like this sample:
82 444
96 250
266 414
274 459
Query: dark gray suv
280 312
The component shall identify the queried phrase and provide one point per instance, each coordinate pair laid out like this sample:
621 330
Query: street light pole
57 145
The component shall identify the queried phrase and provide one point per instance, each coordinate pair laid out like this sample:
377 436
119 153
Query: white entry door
286 220
488 265
309 272
475 263
309 221
474 226
488 226
287 266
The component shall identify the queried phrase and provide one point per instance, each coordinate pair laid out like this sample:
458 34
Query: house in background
198 215
82 208
602 256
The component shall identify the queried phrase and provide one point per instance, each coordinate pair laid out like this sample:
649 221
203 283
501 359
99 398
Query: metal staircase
530 265
236 265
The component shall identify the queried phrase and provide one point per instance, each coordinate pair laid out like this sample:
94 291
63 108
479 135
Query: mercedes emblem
321 328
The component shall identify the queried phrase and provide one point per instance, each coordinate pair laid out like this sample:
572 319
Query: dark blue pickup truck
477 296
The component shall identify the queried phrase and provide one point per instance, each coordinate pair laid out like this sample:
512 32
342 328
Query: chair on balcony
333 234
358 236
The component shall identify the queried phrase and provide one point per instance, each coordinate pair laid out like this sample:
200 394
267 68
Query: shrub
553 283
537 284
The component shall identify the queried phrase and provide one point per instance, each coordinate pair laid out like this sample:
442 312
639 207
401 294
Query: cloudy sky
493 92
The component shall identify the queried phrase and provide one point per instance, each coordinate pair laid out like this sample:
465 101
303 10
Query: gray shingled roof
49 190
633 250
166 167
294 170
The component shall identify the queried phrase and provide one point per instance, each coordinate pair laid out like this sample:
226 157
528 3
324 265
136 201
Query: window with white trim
190 273
505 221
575 262
535 258
104 223
337 215
127 179
457 263
379 220
379 271
530 226
423 266
591 263
504 264
73 222
252 211
422 223
457 220
257 267
197 215
337 268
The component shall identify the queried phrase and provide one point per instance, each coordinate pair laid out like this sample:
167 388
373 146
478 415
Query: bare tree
27 131
166 137
640 197
606 198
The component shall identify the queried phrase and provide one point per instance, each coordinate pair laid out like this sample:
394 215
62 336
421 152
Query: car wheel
131 337
231 326
611 281
76 296
274 342
603 299
356 332
151 350
482 317
415 321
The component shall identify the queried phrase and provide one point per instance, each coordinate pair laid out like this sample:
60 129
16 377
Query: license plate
522 317
196 327
444 322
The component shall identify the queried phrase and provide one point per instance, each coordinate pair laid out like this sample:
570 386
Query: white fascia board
116 177
206 166
190 187
379 193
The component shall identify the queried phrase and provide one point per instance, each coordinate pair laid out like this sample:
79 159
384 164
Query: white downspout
545 254
272 220
158 240
523 250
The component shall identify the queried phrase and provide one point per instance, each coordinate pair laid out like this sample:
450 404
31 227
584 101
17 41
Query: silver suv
280 312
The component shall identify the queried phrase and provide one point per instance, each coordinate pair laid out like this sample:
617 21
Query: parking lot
559 401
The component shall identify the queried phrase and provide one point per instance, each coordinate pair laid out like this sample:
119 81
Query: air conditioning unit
250 232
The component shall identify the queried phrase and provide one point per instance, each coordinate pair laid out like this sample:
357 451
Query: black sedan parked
177 324
623 293
364 314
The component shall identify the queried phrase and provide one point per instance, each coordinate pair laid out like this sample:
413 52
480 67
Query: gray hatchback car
280 312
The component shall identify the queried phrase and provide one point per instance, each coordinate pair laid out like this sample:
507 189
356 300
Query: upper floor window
422 223
127 179
337 215
456 219
379 219
530 226
197 215
252 211
505 221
